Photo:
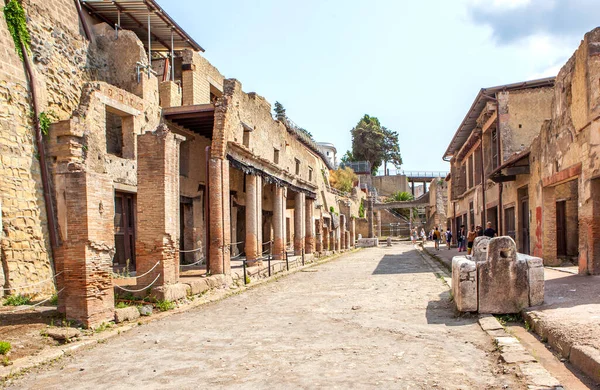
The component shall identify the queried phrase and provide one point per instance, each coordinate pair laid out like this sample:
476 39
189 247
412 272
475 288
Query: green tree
391 149
374 143
347 157
279 111
367 142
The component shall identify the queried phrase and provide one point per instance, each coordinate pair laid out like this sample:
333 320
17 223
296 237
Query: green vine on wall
14 14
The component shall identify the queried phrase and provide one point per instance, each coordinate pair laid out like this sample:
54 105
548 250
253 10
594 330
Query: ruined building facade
542 188
153 160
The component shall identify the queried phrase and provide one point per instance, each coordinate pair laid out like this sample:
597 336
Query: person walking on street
423 235
470 239
436 238
490 232
448 238
460 237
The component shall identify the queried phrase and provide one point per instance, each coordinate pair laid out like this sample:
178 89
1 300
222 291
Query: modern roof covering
485 94
133 15
199 118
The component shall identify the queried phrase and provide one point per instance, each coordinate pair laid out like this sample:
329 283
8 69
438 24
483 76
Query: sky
416 65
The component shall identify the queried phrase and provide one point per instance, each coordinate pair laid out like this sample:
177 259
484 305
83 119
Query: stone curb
512 352
586 358
51 354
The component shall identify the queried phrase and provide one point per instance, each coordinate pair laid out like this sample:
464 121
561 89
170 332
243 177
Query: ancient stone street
379 317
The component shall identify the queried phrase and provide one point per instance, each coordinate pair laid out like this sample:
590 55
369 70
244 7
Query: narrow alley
380 317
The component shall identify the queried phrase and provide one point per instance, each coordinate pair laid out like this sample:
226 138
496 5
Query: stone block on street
126 314
502 280
171 292
367 242
536 280
63 334
464 283
480 248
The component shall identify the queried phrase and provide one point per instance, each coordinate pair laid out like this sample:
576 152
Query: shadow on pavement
442 311
405 263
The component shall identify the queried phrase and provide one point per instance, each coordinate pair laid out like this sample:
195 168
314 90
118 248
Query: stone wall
388 185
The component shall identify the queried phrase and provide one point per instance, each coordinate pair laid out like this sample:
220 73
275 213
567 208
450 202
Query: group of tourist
465 238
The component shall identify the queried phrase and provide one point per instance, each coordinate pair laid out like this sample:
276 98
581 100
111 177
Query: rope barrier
37 304
34 284
189 265
141 289
137 277
268 242
192 250
236 243
235 257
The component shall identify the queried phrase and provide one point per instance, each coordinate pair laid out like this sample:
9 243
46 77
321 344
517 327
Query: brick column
319 235
278 222
84 260
342 231
298 223
157 237
378 223
251 240
352 231
347 240
309 240
259 217
338 239
325 237
370 217
220 217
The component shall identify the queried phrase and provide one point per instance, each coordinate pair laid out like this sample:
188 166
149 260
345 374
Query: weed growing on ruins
45 120
14 14
506 318
121 305
165 305
53 299
102 327
5 347
248 280
17 300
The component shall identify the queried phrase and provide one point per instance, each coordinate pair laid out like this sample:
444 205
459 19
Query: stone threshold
51 354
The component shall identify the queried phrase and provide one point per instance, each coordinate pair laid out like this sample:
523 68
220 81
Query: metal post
172 58
269 262
244 266
287 263
149 45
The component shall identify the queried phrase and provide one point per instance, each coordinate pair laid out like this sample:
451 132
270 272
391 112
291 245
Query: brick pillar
589 231
352 231
325 237
259 218
298 223
370 218
157 237
342 231
378 223
278 222
251 240
84 260
338 239
347 240
319 235
220 217
309 240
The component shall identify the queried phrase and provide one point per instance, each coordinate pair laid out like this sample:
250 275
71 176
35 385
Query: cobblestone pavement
375 318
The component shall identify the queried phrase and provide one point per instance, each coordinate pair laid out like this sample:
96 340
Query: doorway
523 217
124 259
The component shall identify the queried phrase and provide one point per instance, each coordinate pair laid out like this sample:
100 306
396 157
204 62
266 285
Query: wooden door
509 222
561 228
124 230
524 226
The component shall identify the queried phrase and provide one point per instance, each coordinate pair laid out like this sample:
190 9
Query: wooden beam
518 170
